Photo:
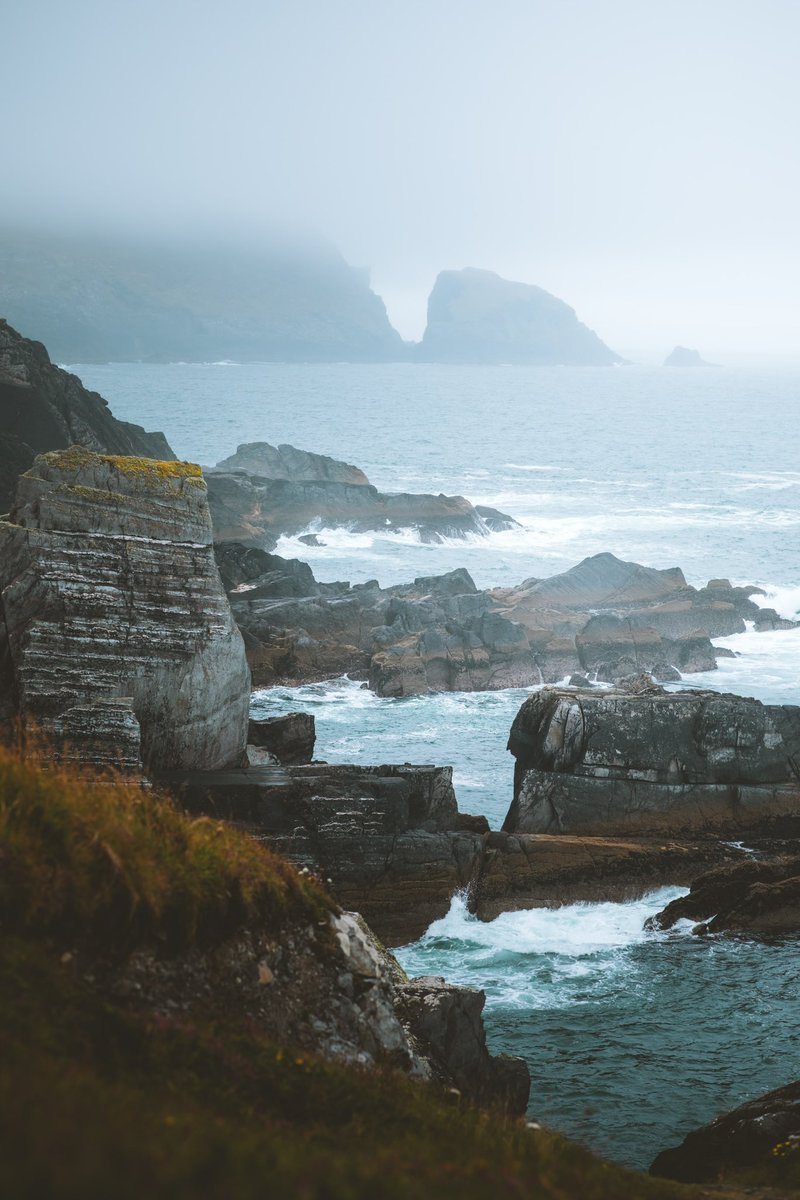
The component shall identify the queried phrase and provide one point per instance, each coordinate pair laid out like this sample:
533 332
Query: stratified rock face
111 595
614 762
476 316
390 838
681 356
45 408
756 897
287 462
745 1137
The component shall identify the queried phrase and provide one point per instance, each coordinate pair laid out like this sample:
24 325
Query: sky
638 158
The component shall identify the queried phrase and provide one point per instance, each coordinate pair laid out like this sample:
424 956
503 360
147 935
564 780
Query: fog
638 158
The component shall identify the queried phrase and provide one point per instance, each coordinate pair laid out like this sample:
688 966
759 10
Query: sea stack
116 637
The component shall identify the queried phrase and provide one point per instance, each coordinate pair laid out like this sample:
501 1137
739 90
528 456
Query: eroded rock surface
652 762
115 631
604 620
289 739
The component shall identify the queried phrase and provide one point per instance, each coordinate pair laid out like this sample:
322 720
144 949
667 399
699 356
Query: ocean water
632 1038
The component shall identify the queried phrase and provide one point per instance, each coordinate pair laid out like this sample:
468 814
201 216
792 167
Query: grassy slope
99 1102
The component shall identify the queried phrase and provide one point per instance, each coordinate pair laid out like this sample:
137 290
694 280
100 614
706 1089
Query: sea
632 1038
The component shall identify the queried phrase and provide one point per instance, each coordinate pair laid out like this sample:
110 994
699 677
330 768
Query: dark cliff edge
43 407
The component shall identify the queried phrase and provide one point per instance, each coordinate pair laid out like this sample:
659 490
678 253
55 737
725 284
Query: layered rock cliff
44 408
116 637
477 317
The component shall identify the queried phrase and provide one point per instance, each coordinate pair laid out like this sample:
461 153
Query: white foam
573 931
785 601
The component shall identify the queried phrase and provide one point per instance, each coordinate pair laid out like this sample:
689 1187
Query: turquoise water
632 1038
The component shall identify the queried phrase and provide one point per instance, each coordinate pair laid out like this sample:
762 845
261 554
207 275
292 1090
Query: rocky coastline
130 637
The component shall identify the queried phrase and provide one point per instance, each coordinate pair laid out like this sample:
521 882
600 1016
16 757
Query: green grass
107 865
98 1101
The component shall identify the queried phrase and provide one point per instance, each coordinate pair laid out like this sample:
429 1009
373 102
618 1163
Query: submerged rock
618 762
114 627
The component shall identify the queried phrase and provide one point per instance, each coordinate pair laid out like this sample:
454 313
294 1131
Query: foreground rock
390 838
116 637
652 762
756 897
604 619
476 316
743 1138
44 408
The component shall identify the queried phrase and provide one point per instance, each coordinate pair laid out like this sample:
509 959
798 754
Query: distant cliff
478 317
99 300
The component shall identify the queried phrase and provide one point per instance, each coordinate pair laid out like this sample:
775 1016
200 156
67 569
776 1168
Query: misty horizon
636 161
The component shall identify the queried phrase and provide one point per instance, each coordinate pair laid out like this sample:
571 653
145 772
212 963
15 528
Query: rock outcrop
287 462
390 838
255 510
681 356
116 637
476 316
526 870
287 740
757 897
743 1138
618 762
605 619
45 408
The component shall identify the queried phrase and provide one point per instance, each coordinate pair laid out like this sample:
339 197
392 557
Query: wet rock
755 897
290 738
110 591
617 762
446 1021
522 871
743 1138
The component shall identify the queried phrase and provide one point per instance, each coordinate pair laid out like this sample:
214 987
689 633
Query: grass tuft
107 864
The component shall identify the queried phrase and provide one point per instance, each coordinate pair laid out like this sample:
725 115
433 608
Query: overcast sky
639 158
